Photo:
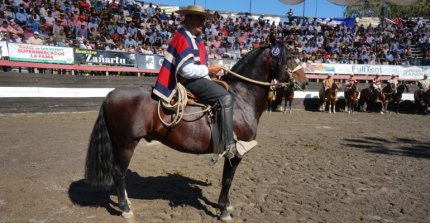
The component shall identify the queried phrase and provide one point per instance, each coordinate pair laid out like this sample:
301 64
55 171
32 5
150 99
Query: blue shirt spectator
129 41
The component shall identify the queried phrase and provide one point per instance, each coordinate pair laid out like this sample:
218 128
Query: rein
298 67
247 79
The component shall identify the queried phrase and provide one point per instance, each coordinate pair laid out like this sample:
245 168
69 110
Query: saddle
183 98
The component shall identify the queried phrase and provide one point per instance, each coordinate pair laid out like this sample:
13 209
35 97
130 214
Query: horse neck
250 96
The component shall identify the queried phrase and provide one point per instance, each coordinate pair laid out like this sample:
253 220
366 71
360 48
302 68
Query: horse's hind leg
119 172
229 170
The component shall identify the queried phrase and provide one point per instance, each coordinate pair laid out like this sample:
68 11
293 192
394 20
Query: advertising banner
319 68
413 72
3 49
40 53
366 69
116 58
149 61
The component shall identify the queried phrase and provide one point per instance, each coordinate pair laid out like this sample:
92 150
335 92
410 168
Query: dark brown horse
421 100
351 97
285 95
369 96
271 98
329 97
129 114
396 97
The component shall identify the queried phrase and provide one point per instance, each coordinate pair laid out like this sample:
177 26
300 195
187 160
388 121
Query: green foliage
374 8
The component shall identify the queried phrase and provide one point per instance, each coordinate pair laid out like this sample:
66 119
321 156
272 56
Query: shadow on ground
177 189
398 146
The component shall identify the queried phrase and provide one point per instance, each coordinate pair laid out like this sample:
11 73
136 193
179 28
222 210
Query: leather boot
227 138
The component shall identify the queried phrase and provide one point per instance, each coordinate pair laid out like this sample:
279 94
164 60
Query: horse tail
100 157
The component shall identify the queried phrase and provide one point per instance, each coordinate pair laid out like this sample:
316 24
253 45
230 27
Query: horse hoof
226 217
127 215
230 208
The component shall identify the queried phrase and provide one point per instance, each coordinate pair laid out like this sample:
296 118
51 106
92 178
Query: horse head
336 86
403 86
296 74
262 64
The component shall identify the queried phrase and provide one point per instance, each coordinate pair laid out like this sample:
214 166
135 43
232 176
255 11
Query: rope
179 106
247 79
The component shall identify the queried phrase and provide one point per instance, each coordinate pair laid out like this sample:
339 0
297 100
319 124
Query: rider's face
195 23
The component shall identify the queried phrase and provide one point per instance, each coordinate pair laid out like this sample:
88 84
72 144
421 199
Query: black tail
100 156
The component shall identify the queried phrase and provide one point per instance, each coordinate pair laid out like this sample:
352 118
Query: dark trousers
205 90
214 94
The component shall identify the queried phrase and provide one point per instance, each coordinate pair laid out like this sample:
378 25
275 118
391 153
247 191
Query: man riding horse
349 83
187 57
327 83
375 86
393 83
424 86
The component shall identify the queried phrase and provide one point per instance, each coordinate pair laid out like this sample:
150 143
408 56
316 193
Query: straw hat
194 10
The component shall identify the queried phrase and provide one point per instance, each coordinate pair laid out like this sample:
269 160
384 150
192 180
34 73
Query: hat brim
193 12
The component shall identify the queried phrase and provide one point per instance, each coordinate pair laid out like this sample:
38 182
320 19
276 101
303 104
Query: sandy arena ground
308 167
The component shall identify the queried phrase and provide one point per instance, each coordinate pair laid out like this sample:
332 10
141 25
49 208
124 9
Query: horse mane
245 66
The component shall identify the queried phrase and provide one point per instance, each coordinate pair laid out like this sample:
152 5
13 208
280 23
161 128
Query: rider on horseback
349 83
424 86
376 86
393 83
187 57
327 83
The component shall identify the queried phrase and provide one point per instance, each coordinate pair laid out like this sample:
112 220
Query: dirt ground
308 167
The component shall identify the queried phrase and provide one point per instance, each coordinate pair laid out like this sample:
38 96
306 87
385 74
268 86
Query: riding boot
227 139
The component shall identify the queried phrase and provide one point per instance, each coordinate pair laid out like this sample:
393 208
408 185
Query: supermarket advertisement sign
40 53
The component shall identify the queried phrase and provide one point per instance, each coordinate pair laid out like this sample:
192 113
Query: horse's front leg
334 107
229 170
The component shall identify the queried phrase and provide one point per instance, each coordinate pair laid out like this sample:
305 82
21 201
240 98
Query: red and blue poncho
183 47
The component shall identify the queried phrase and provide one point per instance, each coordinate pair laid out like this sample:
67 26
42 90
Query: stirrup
239 150
243 147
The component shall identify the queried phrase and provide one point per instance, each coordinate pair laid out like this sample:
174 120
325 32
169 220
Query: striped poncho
183 47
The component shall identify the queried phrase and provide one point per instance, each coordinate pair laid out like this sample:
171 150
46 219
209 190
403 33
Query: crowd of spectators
141 27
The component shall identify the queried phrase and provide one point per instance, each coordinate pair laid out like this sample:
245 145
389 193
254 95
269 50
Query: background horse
369 97
286 95
271 98
130 113
396 98
421 100
351 96
329 97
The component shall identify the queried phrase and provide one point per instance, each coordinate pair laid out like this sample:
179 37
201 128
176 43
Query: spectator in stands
15 31
28 32
43 12
129 41
35 39
21 16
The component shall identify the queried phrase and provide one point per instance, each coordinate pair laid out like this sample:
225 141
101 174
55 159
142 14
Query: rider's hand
215 69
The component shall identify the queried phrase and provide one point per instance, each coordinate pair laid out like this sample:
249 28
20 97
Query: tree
380 8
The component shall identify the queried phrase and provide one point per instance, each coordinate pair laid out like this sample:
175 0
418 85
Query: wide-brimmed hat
194 10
